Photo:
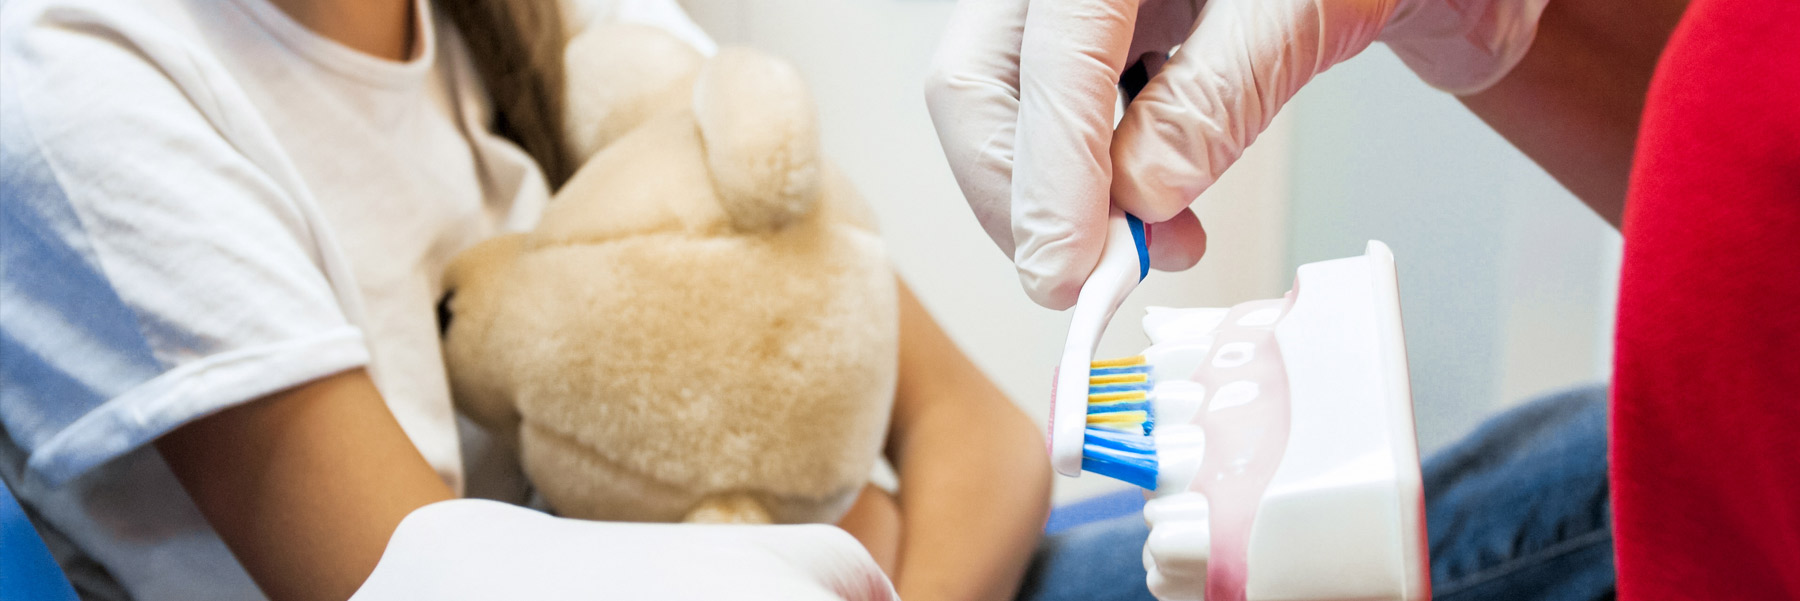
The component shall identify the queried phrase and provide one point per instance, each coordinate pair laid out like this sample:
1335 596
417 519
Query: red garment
1706 397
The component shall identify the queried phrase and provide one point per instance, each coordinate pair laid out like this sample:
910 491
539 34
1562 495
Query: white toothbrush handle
1123 263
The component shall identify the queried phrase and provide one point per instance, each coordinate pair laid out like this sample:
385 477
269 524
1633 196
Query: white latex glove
473 550
1023 95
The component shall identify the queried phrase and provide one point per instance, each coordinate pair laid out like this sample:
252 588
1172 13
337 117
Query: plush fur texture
704 325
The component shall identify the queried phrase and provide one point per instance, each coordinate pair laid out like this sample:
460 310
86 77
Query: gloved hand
483 550
1025 107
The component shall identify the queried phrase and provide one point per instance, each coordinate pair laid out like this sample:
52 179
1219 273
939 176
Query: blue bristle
1137 443
1110 454
1120 387
1117 406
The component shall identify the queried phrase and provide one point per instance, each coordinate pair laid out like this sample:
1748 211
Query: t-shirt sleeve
1705 414
158 260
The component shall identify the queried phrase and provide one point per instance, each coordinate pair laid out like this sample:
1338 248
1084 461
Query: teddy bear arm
476 286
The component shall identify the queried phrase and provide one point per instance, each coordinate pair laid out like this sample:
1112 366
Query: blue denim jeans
1516 511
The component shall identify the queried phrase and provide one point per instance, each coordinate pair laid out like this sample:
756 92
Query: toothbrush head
1117 442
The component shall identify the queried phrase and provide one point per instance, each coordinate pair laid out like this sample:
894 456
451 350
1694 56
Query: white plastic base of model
1342 518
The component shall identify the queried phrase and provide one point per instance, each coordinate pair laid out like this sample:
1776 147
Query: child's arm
306 485
974 485
874 520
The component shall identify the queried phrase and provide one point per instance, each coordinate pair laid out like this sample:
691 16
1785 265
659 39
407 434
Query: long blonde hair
517 48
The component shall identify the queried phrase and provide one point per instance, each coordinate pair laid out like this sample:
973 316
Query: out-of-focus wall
1504 277
1506 280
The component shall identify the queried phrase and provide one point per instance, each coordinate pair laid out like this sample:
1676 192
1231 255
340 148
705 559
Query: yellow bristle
1121 362
1130 395
1119 418
1118 379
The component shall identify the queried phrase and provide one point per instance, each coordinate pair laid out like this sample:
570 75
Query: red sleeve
1706 397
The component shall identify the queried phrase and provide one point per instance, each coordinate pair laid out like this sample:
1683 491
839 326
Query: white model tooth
1181 550
1185 506
1164 590
1176 401
1179 547
1180 447
1177 360
1168 323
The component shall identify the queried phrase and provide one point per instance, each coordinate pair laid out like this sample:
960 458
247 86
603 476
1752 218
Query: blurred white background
1506 280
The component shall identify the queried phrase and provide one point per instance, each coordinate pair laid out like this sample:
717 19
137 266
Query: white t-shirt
204 203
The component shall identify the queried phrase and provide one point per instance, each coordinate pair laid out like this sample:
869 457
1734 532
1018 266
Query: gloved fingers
1209 102
972 94
1243 61
1178 243
1161 26
1070 58
832 558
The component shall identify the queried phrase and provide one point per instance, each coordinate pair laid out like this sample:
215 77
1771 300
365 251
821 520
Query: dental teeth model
1285 465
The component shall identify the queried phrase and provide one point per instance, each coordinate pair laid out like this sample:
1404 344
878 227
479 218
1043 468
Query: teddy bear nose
444 314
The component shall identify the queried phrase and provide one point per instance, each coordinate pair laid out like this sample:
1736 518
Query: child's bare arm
1573 103
875 522
306 485
974 485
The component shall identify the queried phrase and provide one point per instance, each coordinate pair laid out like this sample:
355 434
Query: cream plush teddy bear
703 326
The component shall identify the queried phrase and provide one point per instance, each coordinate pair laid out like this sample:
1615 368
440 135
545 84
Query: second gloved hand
1023 94
473 550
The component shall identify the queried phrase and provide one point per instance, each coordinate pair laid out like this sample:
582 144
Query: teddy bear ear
616 76
761 137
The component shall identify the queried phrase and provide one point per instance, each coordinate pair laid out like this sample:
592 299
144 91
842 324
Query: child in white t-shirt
221 237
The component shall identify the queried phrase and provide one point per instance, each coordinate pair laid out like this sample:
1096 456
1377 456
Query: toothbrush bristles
1120 418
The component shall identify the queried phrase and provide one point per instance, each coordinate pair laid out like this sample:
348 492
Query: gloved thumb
1177 244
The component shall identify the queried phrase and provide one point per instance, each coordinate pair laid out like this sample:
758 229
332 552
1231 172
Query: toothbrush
1107 447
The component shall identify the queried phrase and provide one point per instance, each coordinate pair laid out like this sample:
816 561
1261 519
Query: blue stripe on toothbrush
1143 245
